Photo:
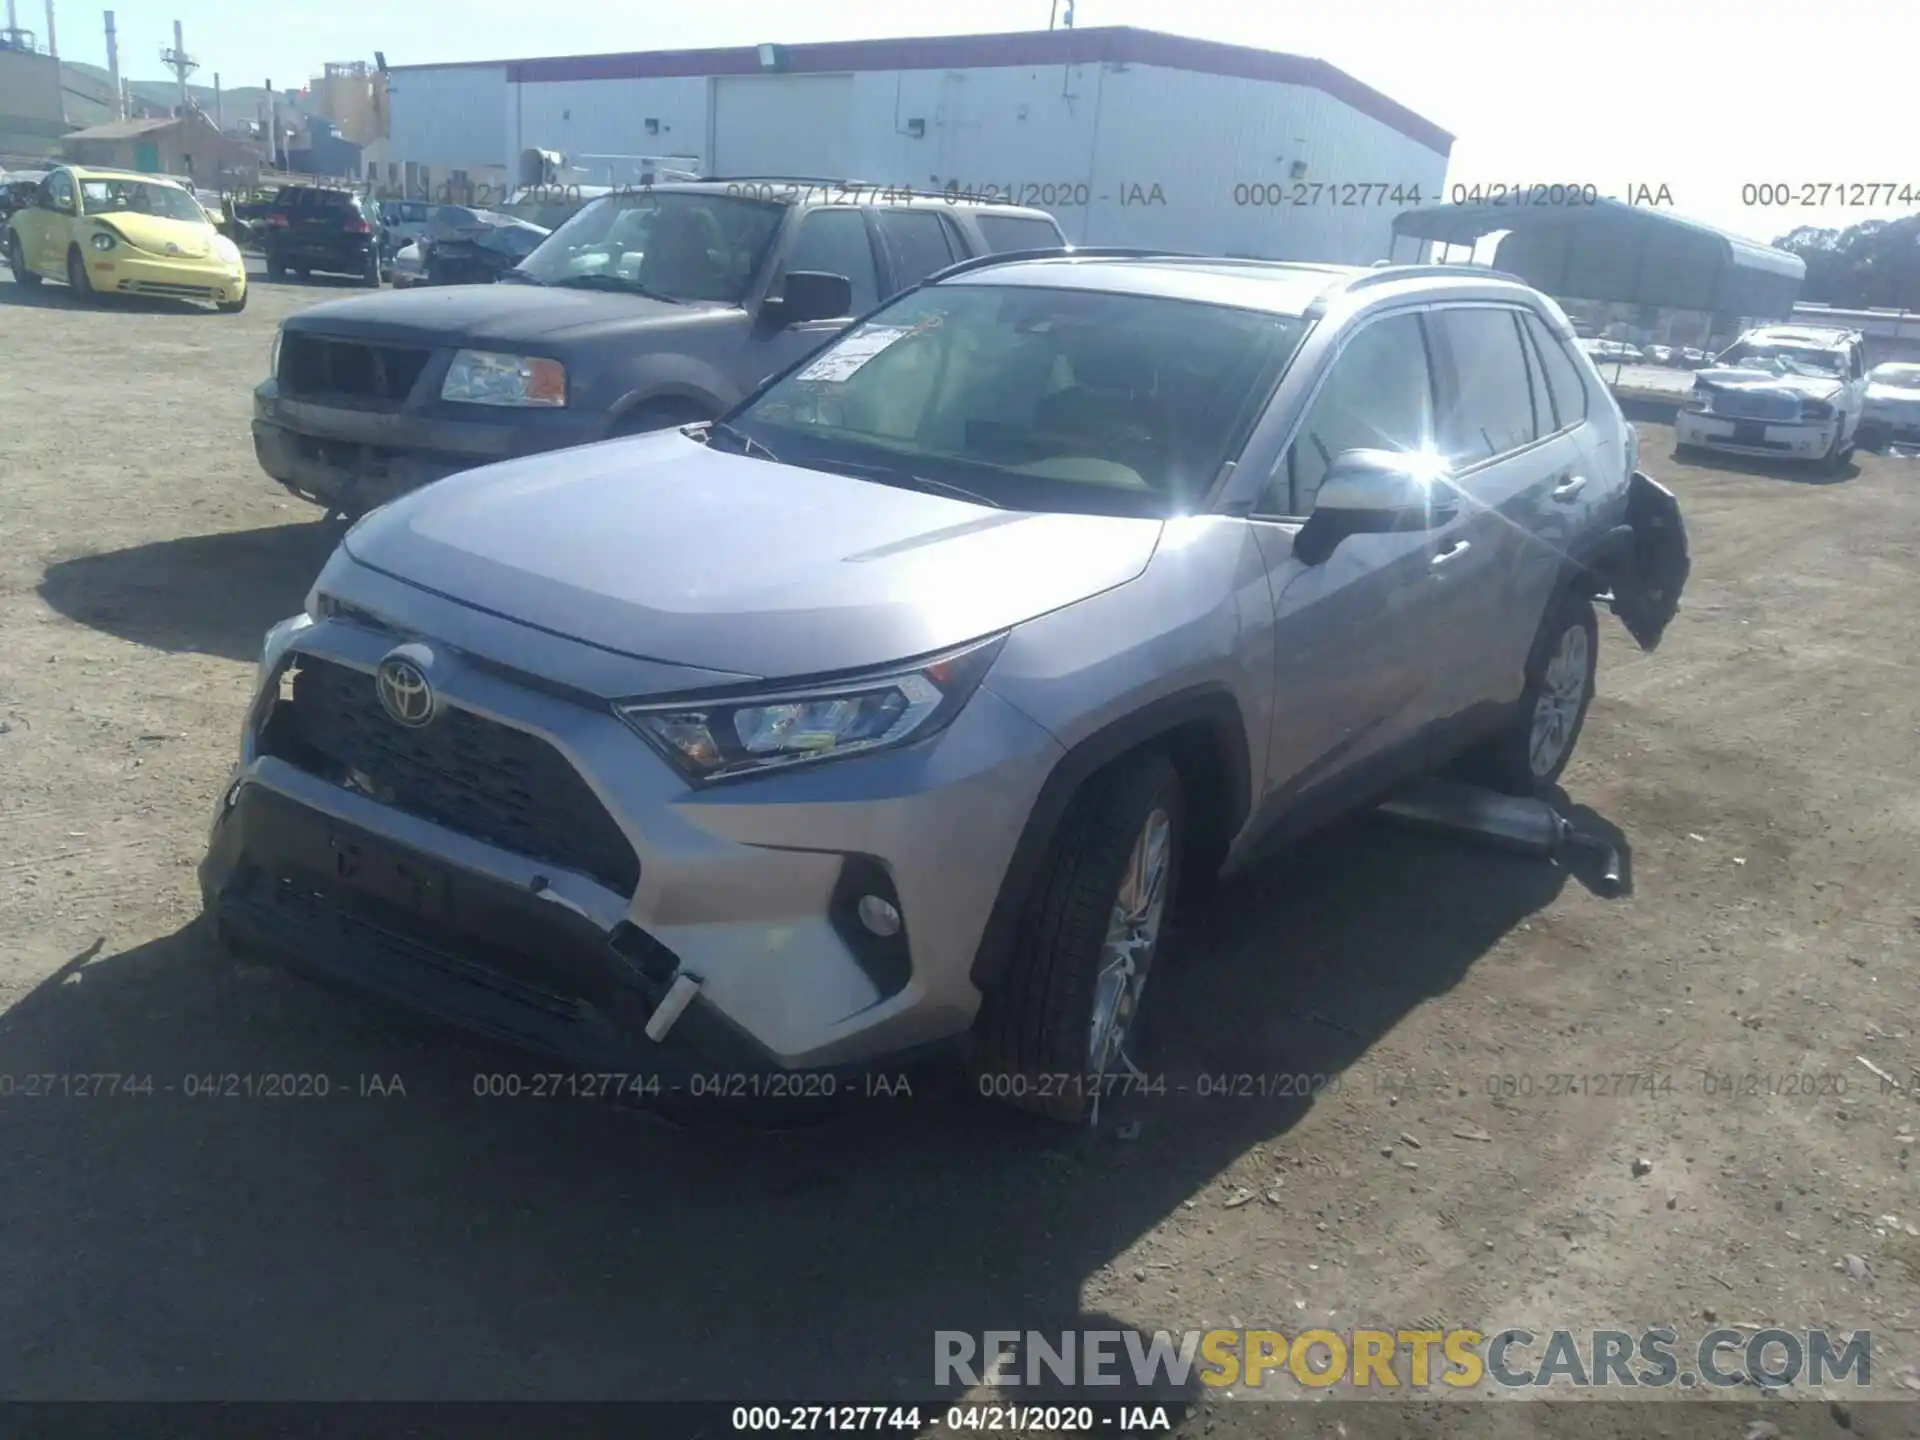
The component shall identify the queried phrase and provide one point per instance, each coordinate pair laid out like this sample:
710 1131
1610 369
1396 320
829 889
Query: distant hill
90 96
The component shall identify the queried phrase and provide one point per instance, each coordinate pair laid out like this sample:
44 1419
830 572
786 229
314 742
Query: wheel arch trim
1211 707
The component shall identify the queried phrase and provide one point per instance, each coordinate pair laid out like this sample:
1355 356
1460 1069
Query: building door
146 158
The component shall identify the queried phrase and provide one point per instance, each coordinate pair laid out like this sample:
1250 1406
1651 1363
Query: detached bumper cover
348 907
1647 585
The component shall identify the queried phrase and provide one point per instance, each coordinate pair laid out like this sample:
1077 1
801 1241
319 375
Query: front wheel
77 280
1528 756
17 262
1056 1027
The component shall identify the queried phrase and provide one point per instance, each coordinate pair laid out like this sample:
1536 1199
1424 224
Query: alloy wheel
1133 933
1563 694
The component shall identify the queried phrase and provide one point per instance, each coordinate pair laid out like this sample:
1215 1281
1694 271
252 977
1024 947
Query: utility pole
53 48
181 63
219 117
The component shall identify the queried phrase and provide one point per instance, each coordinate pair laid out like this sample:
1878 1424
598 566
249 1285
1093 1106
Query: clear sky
1702 96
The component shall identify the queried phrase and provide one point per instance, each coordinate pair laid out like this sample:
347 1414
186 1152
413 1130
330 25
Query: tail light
358 226
277 222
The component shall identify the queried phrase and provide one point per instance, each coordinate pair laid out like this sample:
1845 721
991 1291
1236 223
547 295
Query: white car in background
1613 352
1893 403
1789 392
409 266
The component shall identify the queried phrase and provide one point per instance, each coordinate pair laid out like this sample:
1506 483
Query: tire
1557 696
1834 462
233 307
658 415
77 278
275 270
1036 1035
17 261
370 275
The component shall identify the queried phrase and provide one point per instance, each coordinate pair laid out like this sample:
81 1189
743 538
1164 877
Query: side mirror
1375 492
811 295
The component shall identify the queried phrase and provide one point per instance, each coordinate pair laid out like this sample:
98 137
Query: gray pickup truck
650 308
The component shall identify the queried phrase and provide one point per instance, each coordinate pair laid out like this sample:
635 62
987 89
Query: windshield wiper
613 282
748 445
906 479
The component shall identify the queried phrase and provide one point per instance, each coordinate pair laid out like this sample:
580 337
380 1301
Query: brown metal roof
122 129
1112 44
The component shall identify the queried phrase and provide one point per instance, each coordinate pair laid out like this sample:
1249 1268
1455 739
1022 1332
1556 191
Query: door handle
1453 551
1568 489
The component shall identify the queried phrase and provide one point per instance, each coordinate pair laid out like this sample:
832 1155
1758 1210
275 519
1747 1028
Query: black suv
316 227
650 308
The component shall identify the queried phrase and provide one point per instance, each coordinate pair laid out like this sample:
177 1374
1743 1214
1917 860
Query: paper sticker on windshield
853 352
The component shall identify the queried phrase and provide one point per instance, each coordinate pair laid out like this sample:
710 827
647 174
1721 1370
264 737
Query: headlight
103 241
1816 410
481 377
273 353
1699 401
739 735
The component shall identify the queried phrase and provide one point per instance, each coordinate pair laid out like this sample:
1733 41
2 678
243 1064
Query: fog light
878 916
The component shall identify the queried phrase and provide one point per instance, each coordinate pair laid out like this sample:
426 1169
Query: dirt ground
1759 771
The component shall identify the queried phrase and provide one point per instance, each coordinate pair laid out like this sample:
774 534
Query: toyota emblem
404 692
172 249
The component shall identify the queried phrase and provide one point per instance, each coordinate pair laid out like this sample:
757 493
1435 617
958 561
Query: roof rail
1058 252
1387 274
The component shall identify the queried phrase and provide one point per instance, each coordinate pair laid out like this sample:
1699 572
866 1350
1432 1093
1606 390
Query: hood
154 233
491 314
1732 377
1901 397
659 548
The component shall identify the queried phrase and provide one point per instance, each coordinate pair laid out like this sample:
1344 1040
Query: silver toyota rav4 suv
890 715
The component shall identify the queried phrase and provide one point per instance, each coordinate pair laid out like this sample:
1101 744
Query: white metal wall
1106 135
609 117
451 118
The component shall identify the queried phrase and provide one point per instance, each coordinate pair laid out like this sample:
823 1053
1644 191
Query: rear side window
1019 232
1487 410
1377 396
920 242
1565 388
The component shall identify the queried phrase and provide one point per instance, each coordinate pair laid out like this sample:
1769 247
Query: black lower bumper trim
339 903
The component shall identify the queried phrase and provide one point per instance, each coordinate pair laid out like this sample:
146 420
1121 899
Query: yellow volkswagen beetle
116 232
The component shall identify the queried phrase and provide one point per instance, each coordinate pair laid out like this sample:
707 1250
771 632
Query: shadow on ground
1799 472
211 594
196 1242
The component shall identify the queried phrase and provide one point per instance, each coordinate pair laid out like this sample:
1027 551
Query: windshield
1901 377
1035 399
1785 360
688 245
546 215
137 197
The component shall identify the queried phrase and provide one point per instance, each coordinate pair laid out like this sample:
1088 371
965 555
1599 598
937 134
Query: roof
1109 45
1831 338
1607 250
100 172
123 129
1276 286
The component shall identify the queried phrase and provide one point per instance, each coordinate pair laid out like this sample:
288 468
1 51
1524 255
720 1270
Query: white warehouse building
1129 137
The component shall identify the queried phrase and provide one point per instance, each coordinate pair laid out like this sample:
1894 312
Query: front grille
161 287
473 775
319 365
1743 405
